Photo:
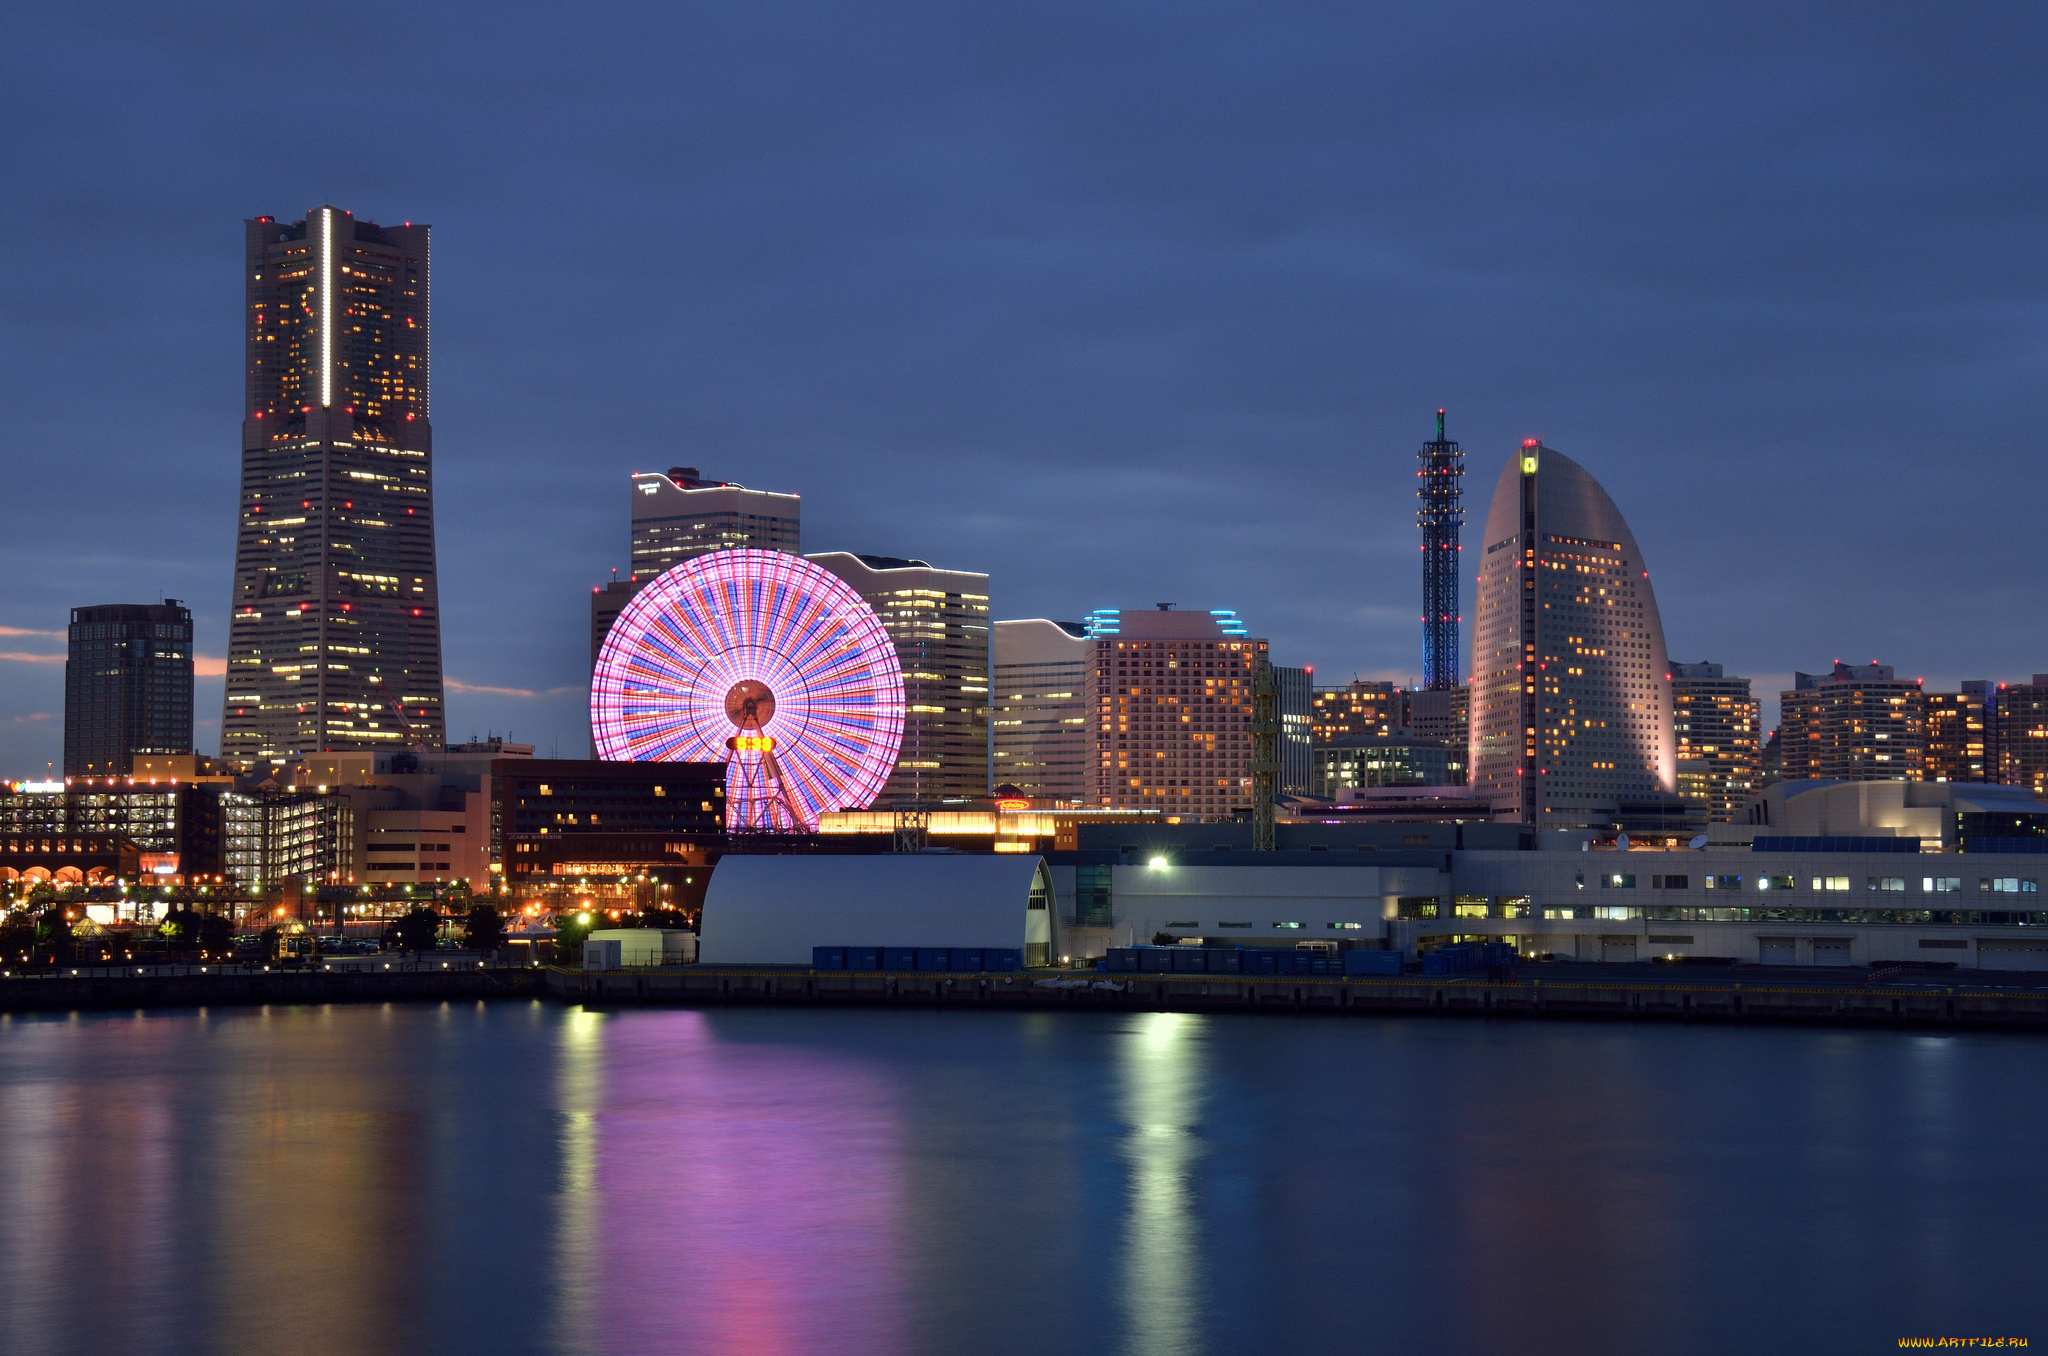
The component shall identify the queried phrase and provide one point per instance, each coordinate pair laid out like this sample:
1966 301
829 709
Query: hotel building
1169 701
1571 693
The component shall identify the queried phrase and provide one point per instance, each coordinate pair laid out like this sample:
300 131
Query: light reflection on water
525 1178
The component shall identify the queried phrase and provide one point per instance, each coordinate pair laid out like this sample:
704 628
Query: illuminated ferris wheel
766 663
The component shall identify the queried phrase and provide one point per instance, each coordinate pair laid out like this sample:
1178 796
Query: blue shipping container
966 959
1372 962
1004 958
1122 959
934 958
1261 962
1223 962
1156 959
863 957
1189 960
899 958
828 958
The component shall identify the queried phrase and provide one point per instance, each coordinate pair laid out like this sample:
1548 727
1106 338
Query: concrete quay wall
1958 1006
96 988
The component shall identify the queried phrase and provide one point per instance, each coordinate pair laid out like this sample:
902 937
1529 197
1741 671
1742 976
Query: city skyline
1063 415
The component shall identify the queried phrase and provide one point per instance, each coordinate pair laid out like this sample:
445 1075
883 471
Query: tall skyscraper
1571 688
1441 518
1717 724
940 623
334 637
1858 723
127 686
1038 723
1170 710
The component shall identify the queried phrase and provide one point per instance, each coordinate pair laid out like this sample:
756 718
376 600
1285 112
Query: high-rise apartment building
1961 746
1717 725
1858 723
2021 723
127 686
1169 702
1038 717
940 623
334 637
1571 694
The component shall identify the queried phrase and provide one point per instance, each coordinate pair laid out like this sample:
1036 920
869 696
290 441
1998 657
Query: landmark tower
334 633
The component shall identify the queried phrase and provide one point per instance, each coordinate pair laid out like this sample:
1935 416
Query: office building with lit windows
1357 762
1857 723
1295 688
1038 734
1170 707
1361 708
681 515
1365 709
127 686
1571 692
1717 727
334 636
939 622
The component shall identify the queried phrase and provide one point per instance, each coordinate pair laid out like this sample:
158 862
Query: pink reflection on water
748 1195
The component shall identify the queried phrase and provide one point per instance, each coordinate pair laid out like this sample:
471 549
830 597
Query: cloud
456 685
25 631
20 657
34 716
209 666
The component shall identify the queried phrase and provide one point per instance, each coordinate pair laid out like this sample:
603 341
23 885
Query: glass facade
127 686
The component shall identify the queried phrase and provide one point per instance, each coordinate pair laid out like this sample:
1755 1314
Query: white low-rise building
769 910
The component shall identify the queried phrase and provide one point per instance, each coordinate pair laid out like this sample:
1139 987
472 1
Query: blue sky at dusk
1122 303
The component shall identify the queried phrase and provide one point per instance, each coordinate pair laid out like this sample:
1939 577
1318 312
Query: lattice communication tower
1442 515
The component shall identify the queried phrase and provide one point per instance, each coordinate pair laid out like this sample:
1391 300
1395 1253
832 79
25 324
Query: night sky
1120 303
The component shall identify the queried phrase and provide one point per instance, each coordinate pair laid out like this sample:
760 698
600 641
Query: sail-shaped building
1571 685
